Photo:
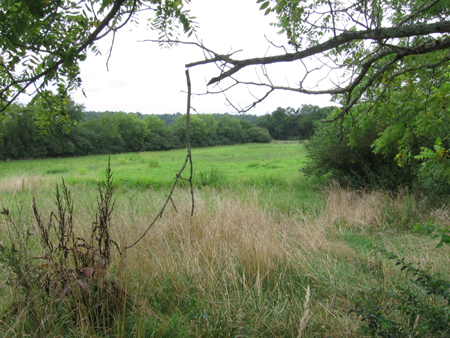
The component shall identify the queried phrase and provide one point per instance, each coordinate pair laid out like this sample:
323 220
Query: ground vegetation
267 251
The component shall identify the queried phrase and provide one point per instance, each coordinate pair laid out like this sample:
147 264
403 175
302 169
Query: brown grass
23 183
235 250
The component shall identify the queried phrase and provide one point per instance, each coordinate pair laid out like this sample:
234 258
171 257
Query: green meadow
232 165
266 253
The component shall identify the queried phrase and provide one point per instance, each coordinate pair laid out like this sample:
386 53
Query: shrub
213 178
353 161
57 171
418 308
258 135
122 160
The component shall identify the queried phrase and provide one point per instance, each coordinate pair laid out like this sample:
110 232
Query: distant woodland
87 132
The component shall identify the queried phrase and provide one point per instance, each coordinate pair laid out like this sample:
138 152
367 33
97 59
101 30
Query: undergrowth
418 307
263 261
60 279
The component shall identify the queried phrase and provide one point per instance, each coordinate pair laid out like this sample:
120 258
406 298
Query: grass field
250 163
267 253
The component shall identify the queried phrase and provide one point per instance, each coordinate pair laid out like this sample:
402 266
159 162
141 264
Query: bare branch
178 176
339 40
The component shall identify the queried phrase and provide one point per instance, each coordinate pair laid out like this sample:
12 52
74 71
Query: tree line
87 133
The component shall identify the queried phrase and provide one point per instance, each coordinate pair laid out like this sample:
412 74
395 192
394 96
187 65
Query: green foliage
230 131
154 124
198 130
132 130
435 170
152 163
155 170
44 42
436 230
214 178
353 160
258 135
211 127
394 84
57 171
418 308
395 146
293 124
86 133
390 138
23 138
244 299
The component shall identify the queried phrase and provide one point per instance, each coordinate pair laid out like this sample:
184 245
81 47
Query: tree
376 58
132 130
105 134
279 124
258 135
22 138
198 130
293 124
306 118
159 135
365 50
230 131
364 44
43 42
211 125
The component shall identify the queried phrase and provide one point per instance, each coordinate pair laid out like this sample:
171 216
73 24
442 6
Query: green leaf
264 5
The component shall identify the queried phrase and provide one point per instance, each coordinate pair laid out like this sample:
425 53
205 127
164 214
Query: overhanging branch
335 42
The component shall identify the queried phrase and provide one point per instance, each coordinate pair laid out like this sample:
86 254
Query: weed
122 160
213 178
68 274
254 164
153 163
57 171
240 266
81 171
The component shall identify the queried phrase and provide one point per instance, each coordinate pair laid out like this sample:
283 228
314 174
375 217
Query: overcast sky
145 78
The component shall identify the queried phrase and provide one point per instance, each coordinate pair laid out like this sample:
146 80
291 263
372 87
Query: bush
418 308
356 164
213 178
258 135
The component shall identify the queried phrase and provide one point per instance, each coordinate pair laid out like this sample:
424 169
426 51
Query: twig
178 175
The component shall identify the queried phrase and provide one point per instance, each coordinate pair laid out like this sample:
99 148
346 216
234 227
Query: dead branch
178 176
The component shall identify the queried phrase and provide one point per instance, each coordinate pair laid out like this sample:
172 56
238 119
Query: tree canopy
43 42
385 63
360 44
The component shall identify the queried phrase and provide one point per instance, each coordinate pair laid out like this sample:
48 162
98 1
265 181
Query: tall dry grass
24 183
243 267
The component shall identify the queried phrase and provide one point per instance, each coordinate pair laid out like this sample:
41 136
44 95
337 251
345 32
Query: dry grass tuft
224 235
306 313
353 209
23 183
